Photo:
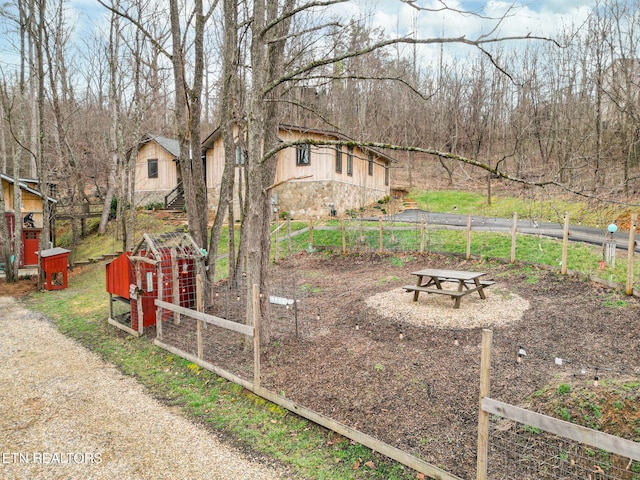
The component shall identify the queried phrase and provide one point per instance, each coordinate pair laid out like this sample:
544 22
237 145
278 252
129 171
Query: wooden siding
31 203
167 169
322 166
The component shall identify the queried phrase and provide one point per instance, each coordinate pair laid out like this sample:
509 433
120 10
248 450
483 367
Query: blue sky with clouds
398 17
538 17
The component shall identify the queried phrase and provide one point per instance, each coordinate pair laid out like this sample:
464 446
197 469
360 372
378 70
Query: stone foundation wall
141 199
311 199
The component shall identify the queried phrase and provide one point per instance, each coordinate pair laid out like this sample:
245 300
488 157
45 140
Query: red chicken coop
55 265
160 267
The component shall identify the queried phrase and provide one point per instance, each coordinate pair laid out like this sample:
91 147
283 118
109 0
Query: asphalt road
577 233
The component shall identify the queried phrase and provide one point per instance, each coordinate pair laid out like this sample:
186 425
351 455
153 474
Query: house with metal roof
158 172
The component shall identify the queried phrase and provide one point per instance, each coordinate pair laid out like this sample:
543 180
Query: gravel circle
65 413
500 308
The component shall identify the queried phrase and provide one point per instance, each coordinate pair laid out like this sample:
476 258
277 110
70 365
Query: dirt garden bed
408 373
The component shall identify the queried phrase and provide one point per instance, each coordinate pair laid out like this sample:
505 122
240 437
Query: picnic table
432 280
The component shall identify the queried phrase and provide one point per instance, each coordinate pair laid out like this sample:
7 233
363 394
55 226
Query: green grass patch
542 209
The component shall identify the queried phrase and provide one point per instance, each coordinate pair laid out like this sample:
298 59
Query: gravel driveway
65 413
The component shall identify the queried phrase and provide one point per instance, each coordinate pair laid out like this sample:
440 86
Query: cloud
537 17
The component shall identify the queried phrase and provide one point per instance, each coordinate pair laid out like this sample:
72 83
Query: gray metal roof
26 187
170 145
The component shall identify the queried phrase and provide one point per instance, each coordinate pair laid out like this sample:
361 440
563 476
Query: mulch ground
417 388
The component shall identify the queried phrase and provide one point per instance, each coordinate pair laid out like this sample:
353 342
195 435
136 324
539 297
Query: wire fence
481 237
522 452
516 450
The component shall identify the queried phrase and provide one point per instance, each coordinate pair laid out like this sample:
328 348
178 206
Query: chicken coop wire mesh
166 269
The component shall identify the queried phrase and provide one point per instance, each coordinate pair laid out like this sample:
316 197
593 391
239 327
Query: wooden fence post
565 244
344 240
289 235
311 232
514 230
256 335
275 254
422 234
381 235
632 246
175 299
199 308
468 237
483 417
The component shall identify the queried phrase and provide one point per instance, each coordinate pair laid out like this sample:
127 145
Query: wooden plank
137 258
217 321
484 283
452 293
604 441
256 337
468 237
631 247
115 323
199 308
175 283
514 230
565 244
455 274
483 417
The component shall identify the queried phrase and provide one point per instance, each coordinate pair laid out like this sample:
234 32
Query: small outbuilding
55 268
162 267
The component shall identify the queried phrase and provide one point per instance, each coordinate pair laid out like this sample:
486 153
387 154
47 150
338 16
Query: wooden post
632 245
344 239
175 278
199 308
422 234
256 335
514 230
139 300
468 237
565 244
381 235
311 232
483 417
275 255
289 235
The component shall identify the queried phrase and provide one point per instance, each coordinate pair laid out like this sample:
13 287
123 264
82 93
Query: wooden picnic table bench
467 282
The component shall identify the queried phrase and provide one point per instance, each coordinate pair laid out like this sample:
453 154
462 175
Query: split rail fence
194 352
513 443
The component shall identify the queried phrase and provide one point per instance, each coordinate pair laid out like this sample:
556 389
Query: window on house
152 168
339 159
349 160
370 164
240 156
303 154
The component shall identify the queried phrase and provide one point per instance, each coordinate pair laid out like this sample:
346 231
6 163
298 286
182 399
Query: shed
160 267
55 266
